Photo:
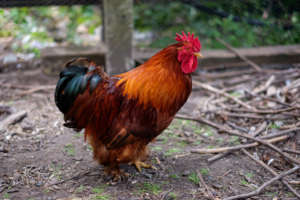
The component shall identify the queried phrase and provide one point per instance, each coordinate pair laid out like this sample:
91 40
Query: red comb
189 38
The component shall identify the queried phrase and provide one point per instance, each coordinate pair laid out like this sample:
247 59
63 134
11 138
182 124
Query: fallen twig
238 147
294 182
23 87
71 178
5 109
288 126
272 172
265 86
237 127
236 133
28 89
13 119
226 74
253 116
260 129
291 151
164 195
218 156
209 194
262 111
280 133
37 89
217 91
252 64
269 99
260 189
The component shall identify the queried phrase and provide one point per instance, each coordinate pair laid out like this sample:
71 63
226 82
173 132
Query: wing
97 109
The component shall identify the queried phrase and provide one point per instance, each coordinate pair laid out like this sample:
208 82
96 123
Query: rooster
123 113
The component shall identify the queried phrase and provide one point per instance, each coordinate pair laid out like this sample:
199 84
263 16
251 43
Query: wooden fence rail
117 27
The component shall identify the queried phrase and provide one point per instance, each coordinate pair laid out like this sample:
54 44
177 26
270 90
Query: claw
140 164
116 174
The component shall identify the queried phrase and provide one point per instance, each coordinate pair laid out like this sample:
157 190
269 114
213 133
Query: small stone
38 184
8 137
271 91
186 172
3 150
78 158
147 175
252 129
271 104
187 134
217 185
279 123
27 126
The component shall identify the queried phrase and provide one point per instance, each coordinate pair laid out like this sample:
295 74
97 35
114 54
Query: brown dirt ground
41 152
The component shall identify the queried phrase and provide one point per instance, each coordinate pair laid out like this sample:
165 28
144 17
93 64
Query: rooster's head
188 52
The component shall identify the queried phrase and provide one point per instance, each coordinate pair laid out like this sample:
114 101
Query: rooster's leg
115 172
139 164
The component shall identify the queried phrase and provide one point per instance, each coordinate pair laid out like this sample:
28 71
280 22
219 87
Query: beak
199 55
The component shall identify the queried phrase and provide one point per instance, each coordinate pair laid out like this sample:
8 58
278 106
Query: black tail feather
73 81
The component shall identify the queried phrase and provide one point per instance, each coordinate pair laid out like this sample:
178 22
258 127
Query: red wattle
189 64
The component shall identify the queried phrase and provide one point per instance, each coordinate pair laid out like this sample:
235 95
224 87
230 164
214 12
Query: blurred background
246 23
40 159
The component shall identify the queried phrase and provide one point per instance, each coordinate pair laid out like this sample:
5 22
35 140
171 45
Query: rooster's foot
116 174
140 164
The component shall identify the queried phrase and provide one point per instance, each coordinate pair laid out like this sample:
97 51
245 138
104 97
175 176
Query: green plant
37 24
197 142
102 197
234 140
174 176
235 94
182 143
80 189
172 151
274 126
34 26
172 195
198 130
271 194
97 190
70 149
78 135
6 196
204 171
193 177
56 170
176 16
208 131
244 182
210 146
46 190
150 187
157 148
249 175
99 193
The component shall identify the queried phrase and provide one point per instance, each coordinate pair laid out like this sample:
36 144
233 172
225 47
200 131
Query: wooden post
117 34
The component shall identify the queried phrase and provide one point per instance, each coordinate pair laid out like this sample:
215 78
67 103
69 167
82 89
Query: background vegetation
277 22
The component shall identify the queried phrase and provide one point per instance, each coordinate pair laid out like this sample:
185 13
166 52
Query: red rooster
123 113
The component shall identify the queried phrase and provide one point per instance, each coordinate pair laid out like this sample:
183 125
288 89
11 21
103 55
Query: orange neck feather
159 82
